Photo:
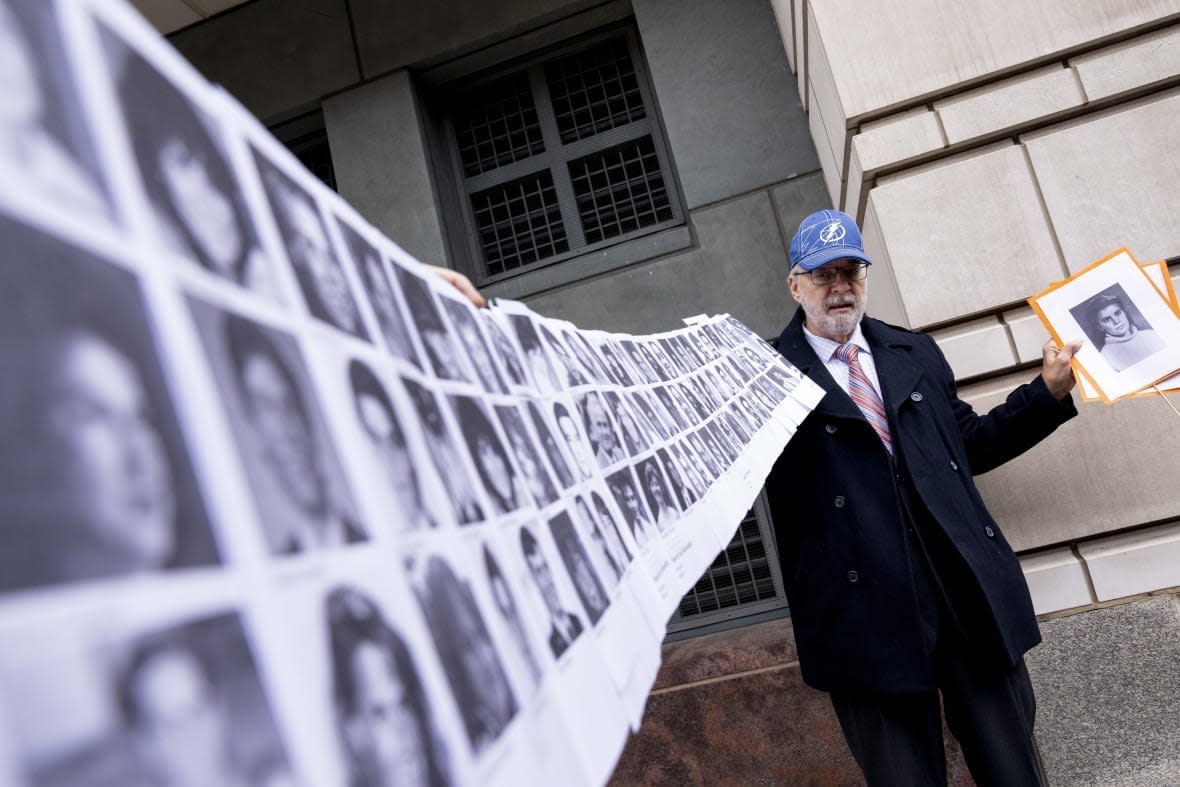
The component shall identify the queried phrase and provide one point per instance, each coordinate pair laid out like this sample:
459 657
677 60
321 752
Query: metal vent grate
502 128
620 189
740 575
519 222
594 90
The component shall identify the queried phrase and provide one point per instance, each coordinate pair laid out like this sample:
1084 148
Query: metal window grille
620 190
500 130
559 157
743 580
519 222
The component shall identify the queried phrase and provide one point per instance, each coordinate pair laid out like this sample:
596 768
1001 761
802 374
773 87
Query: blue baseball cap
824 236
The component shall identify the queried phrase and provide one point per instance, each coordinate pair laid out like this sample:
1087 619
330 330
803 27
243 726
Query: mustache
836 301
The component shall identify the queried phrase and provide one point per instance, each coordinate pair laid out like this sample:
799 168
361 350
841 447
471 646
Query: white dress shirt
826 350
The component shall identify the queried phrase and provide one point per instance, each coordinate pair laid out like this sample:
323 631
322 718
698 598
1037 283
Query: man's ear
793 284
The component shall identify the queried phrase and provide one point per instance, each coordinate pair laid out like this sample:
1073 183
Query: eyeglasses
826 276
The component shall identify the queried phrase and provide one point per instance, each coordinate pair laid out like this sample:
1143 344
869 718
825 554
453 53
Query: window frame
666 236
726 617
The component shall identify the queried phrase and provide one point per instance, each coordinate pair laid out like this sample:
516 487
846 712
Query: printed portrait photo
382 712
572 373
382 425
564 625
178 706
568 422
511 616
626 493
465 648
444 453
302 500
195 198
611 564
634 439
683 494
528 457
553 449
46 152
503 483
95 477
540 369
471 339
604 440
442 351
577 564
506 353
380 289
656 492
1116 328
304 235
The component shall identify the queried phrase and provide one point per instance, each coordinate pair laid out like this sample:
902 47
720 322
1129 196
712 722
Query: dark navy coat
838 522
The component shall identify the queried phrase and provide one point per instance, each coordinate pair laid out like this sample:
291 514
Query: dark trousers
897 739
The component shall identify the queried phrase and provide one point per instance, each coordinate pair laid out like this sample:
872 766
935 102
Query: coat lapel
795 349
896 370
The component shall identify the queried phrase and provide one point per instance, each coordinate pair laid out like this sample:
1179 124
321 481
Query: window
743 581
558 157
307 138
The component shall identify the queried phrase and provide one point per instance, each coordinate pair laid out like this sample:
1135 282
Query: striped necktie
863 393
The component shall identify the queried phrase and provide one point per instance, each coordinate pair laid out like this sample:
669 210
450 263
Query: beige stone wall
987 149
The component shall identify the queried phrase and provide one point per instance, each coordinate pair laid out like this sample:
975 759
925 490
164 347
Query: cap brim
824 256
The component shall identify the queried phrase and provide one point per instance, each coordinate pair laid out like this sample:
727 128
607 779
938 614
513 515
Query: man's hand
461 283
1056 369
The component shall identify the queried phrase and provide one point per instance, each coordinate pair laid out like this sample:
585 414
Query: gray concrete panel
1107 695
729 101
1092 476
275 55
740 268
394 35
380 160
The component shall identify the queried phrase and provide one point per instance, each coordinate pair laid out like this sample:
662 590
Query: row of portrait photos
280 507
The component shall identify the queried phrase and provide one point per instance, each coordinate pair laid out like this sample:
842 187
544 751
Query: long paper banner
277 505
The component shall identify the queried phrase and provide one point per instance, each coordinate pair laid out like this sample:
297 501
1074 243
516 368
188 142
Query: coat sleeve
1027 416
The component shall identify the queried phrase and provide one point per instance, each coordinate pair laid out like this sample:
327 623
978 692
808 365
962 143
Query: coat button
915 397
853 577
954 465
839 501
830 429
990 533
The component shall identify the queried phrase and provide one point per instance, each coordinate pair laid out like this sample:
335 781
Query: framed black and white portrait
1130 330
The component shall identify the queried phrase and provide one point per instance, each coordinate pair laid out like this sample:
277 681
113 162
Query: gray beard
837 325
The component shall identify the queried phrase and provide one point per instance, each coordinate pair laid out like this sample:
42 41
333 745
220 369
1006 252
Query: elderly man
901 585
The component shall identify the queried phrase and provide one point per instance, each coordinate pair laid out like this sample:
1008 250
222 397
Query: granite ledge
725 653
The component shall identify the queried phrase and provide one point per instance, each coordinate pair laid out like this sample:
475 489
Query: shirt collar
825 348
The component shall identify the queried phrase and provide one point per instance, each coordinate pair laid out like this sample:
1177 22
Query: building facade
627 163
